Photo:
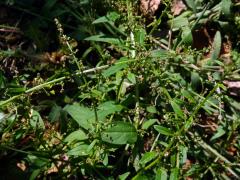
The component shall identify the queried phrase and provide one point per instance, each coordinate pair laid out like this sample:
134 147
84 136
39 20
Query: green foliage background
111 99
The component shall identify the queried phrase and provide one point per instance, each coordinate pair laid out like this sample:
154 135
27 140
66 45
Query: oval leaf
78 135
85 117
161 174
216 46
80 150
120 133
36 120
151 109
226 7
107 108
140 36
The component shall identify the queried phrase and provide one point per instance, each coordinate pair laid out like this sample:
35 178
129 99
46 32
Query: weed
116 97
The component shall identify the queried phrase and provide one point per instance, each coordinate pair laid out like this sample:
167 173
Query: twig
205 146
155 142
41 86
160 44
10 30
169 39
183 129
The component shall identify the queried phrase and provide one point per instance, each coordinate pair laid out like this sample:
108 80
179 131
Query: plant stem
184 128
41 86
205 146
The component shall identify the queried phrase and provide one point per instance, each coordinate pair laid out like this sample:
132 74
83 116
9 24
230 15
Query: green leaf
34 174
147 157
57 12
161 174
110 18
91 146
195 168
2 79
55 113
216 46
2 117
79 150
179 22
102 19
108 108
113 16
48 5
78 135
105 159
36 120
140 36
37 161
163 130
174 174
191 4
113 69
123 176
219 62
94 93
131 77
195 81
148 123
226 7
160 54
151 109
177 109
173 159
183 154
33 31
187 95
220 132
16 90
119 77
186 36
120 133
142 177
104 38
82 115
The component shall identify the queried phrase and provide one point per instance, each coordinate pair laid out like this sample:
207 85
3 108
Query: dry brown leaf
177 7
149 7
232 84
53 169
22 166
232 150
